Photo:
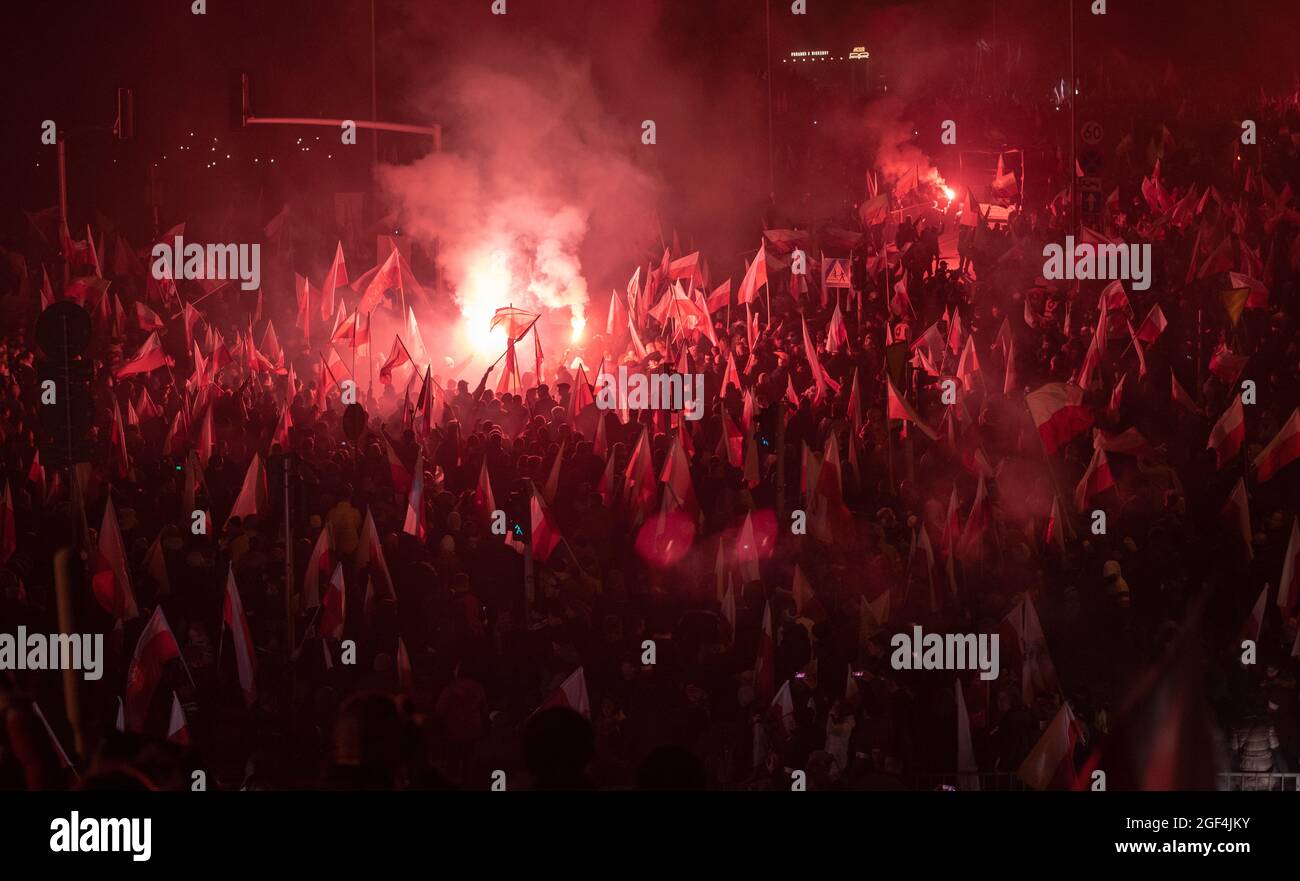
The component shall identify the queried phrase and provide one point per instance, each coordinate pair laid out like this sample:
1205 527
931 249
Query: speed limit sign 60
1091 133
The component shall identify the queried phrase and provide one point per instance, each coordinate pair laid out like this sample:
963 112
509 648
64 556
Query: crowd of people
654 615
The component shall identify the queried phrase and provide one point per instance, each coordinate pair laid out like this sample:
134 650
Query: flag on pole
156 646
234 620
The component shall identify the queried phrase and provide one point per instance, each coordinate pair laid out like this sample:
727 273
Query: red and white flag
1152 326
234 620
337 275
405 680
414 523
334 606
321 562
1288 589
1179 395
765 662
149 357
252 495
967 771
1281 451
156 646
755 277
9 526
545 534
572 693
110 577
1059 414
178 730
1096 479
899 408
1255 623
1050 764
1228 434
1236 511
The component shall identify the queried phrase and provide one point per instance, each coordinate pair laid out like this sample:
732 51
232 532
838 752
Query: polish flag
1255 623
414 524
899 408
837 334
405 680
320 562
110 579
765 662
755 277
782 708
1281 450
302 320
553 479
572 693
720 297
397 356
155 648
1152 326
337 275
746 555
8 526
1228 434
370 552
605 486
1237 510
1096 479
483 492
155 563
36 474
967 771
252 495
1180 396
207 437
389 277
731 376
1059 413
1050 764
281 433
146 318
955 333
546 535
334 606
234 619
617 317
1288 589
733 439
970 546
639 480
968 365
1116 398
270 347
1055 534
148 358
178 730
676 474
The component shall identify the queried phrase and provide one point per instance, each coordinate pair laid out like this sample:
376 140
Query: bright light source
949 193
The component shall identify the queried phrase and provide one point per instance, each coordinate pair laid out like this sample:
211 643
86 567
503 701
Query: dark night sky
697 65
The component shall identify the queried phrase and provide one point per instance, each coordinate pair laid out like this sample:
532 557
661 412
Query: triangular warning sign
837 274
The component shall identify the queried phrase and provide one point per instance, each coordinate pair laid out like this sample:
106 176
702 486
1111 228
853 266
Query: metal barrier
1004 781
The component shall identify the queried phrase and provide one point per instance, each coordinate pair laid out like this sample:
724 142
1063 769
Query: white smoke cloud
532 155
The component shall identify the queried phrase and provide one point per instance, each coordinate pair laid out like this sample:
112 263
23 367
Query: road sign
1091 161
1091 133
1090 185
835 273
